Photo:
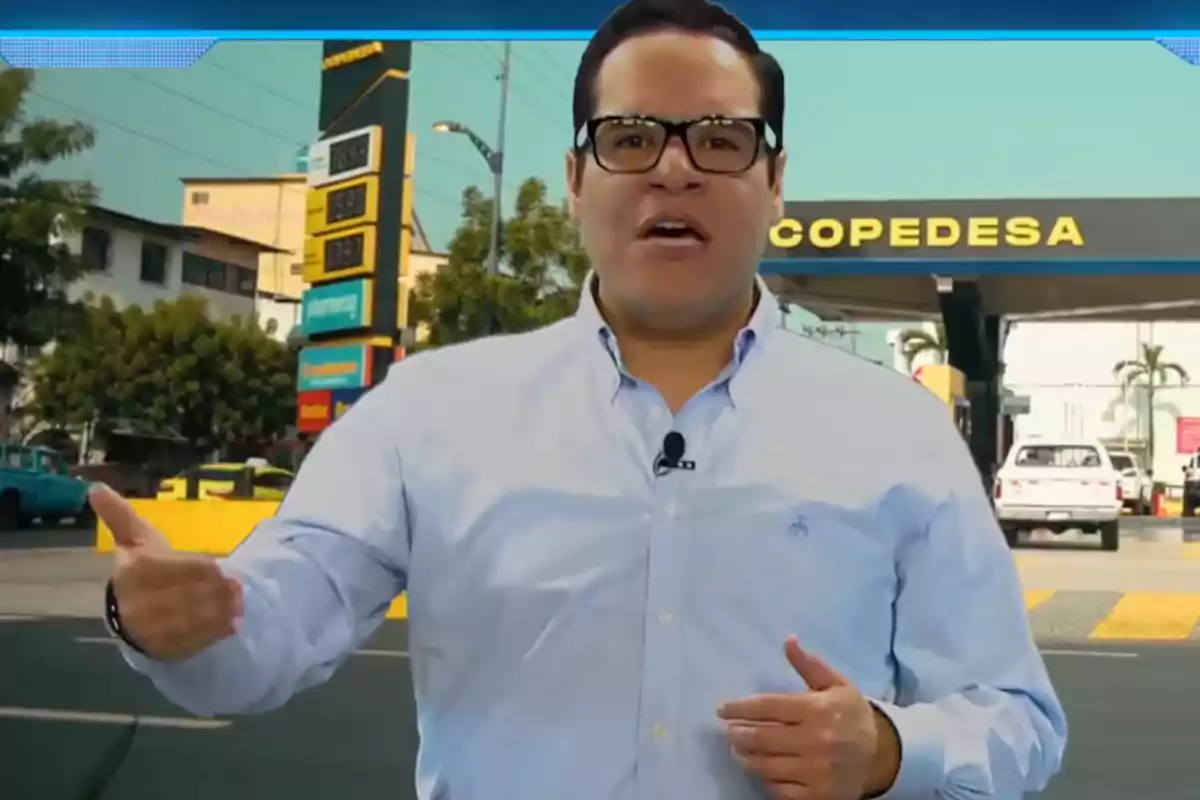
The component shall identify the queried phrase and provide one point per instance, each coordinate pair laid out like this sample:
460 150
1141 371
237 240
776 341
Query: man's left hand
825 744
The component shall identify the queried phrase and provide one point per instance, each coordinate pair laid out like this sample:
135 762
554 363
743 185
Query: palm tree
915 341
1151 372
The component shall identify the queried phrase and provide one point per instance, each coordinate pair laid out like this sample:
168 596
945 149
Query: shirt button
660 732
665 617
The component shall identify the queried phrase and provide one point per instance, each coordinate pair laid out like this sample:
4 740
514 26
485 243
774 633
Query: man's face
662 281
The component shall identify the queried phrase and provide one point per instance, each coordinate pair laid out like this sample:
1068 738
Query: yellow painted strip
1035 597
1151 616
399 609
1191 551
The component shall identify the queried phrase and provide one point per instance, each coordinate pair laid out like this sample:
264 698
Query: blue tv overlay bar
533 19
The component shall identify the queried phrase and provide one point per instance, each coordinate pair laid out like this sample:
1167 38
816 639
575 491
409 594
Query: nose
675 171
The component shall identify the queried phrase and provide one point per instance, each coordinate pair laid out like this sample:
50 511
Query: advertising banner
334 307
334 366
343 399
1027 230
314 411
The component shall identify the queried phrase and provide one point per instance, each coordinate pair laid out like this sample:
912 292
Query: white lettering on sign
334 305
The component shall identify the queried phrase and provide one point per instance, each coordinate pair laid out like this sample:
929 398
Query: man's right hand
172 604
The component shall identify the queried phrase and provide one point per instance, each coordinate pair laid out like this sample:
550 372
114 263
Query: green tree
35 267
222 386
543 269
915 341
1149 373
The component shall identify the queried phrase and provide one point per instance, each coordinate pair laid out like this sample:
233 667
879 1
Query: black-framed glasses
719 145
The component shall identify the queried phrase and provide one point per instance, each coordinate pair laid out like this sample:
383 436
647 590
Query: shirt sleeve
975 710
318 577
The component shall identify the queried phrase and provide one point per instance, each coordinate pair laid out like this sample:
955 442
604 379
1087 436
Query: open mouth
673 229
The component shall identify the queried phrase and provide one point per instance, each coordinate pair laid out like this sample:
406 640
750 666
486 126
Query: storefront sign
314 411
333 307
345 366
343 399
1187 435
1024 230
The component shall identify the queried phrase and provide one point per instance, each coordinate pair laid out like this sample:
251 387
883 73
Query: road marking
365 652
1151 616
104 718
1035 597
1089 653
19 618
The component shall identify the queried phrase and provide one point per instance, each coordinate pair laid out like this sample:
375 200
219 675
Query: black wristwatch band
112 617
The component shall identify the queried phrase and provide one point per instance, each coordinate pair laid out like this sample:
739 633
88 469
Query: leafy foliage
227 386
35 267
1151 372
544 268
915 341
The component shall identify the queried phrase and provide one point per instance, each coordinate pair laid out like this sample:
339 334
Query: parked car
35 483
1058 485
219 481
1137 485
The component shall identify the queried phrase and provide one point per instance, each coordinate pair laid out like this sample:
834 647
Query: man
659 550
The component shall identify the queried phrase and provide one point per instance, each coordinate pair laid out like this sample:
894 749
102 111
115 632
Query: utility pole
497 164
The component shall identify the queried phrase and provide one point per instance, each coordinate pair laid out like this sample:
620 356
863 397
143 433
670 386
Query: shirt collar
763 321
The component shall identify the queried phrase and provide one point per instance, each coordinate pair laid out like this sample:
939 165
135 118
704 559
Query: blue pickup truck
36 484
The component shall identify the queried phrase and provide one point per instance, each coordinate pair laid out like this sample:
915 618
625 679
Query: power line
215 109
187 151
250 81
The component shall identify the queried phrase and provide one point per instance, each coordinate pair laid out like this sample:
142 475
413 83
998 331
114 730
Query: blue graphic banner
343 399
345 366
333 307
530 19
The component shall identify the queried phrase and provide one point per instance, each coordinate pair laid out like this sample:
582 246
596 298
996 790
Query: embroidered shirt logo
798 527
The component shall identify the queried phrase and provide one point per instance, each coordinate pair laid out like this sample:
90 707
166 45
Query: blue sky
869 120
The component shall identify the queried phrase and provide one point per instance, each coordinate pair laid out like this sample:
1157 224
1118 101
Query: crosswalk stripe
1152 616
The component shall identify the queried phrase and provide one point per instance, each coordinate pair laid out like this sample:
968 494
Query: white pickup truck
1059 485
1137 485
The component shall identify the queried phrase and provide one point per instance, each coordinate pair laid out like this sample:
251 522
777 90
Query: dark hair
698 16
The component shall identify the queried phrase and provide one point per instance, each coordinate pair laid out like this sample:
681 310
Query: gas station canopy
1085 259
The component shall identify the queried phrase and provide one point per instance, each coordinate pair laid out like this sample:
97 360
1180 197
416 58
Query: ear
573 183
777 189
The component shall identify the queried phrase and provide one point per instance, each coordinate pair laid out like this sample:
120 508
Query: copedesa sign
902 233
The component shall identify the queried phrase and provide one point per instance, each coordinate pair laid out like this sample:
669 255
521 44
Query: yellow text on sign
353 55
906 232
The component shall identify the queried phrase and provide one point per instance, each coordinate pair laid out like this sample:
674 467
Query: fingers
782 708
128 529
753 739
818 674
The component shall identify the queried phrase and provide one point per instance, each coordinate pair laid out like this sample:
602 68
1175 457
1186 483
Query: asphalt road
1131 707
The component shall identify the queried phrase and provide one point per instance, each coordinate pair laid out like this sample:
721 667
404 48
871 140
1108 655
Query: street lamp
493 156
495 162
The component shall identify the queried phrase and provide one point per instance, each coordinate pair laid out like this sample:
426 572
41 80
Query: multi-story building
272 210
136 261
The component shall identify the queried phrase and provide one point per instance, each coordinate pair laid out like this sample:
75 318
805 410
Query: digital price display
342 205
344 254
345 156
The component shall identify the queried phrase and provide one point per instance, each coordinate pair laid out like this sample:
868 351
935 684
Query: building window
242 280
154 263
199 198
95 249
194 270
203 271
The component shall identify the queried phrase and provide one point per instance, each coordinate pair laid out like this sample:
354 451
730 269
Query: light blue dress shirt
575 622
